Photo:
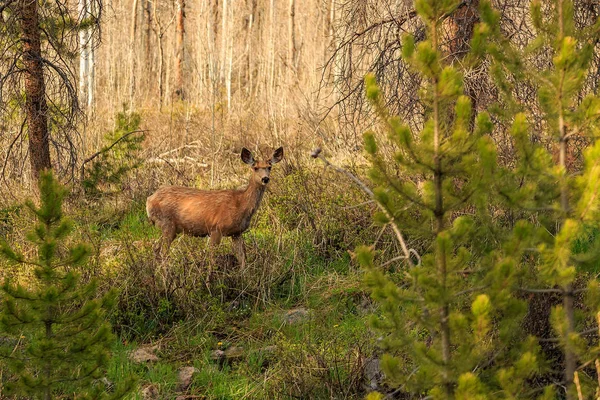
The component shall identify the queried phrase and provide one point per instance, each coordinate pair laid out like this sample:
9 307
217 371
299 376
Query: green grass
334 334
288 268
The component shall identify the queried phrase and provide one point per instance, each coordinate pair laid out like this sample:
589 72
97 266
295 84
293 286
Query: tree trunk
292 46
132 59
229 58
439 213
161 73
35 91
148 54
213 48
159 32
270 56
179 91
250 53
91 76
224 34
568 299
83 53
458 30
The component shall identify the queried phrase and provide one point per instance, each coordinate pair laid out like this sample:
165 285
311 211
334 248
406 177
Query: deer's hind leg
164 244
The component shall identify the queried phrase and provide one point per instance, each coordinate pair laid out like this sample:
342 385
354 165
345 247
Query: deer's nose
265 180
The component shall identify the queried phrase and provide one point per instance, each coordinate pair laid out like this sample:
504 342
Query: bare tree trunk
336 71
91 76
91 65
159 31
292 46
35 90
132 59
229 59
245 72
222 58
250 54
179 88
148 58
161 69
84 43
213 35
271 52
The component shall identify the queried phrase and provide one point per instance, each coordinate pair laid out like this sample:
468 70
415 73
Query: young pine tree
546 187
435 185
62 337
109 166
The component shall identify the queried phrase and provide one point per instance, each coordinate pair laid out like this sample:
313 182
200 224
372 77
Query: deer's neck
252 196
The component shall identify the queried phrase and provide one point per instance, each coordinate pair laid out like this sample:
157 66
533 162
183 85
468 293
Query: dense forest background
430 233
279 70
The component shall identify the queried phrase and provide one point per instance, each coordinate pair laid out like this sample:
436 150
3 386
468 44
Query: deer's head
261 169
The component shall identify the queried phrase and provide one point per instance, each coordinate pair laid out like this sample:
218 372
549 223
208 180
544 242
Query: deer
213 213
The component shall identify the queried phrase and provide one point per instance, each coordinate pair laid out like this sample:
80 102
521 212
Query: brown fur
214 213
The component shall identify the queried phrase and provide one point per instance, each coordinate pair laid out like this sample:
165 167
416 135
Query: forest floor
292 324
295 330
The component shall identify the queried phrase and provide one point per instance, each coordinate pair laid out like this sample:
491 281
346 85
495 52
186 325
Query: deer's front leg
215 239
240 250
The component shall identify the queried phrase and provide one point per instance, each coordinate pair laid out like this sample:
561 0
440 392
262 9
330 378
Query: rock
217 355
185 376
366 306
234 352
149 392
373 373
8 341
296 315
268 351
143 354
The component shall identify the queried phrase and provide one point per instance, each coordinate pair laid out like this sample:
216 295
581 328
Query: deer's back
197 212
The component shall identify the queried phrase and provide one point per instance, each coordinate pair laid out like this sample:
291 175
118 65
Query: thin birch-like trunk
229 61
91 76
292 45
223 49
132 59
83 9
179 46
148 53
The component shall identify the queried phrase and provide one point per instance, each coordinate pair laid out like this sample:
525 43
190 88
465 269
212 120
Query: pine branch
106 149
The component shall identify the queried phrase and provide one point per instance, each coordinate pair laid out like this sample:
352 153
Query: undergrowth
297 259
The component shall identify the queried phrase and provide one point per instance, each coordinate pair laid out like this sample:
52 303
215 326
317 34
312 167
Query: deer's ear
247 156
277 155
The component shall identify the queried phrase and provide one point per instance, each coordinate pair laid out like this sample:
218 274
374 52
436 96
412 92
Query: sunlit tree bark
36 107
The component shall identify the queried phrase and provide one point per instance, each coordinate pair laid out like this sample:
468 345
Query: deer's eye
256 168
269 167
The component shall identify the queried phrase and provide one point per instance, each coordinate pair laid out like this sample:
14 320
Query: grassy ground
296 317
297 311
